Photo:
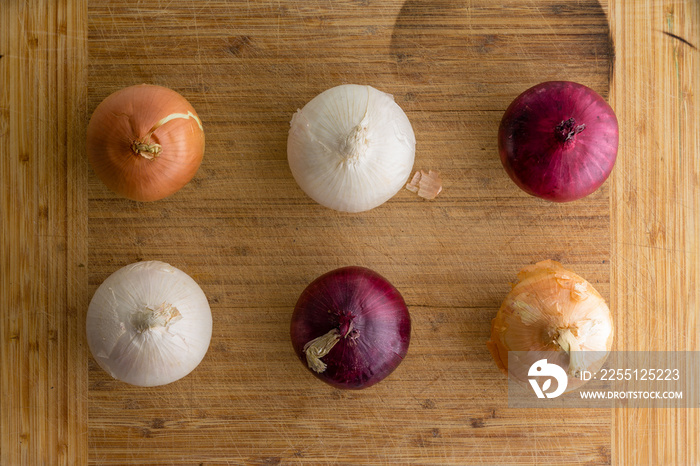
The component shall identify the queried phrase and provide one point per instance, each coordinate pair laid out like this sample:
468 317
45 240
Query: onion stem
147 151
569 343
318 348
148 318
354 147
567 130
151 151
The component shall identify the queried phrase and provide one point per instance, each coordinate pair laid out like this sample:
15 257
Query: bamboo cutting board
253 240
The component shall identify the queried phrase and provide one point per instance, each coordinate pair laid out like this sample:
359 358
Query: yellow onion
145 142
552 309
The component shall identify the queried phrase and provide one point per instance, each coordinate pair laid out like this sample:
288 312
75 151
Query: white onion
149 324
351 148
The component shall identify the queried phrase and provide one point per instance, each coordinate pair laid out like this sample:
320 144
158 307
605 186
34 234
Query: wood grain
249 235
43 246
253 240
655 222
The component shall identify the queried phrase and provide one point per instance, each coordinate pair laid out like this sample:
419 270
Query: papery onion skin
366 308
128 116
547 298
351 148
162 353
552 161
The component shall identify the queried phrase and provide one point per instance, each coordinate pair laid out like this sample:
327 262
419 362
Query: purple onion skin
369 313
537 154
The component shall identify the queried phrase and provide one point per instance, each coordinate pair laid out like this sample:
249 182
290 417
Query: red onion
558 140
351 327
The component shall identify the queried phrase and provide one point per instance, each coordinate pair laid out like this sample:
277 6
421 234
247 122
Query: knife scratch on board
676 61
677 37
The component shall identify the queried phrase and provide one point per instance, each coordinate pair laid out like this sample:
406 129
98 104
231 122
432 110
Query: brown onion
145 142
551 309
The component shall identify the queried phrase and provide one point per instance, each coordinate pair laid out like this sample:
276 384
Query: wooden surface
654 212
43 232
253 240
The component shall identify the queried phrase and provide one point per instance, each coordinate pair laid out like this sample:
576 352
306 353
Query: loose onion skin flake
558 141
351 328
145 142
426 185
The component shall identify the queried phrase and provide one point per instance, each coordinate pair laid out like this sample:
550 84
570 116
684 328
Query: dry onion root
552 309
